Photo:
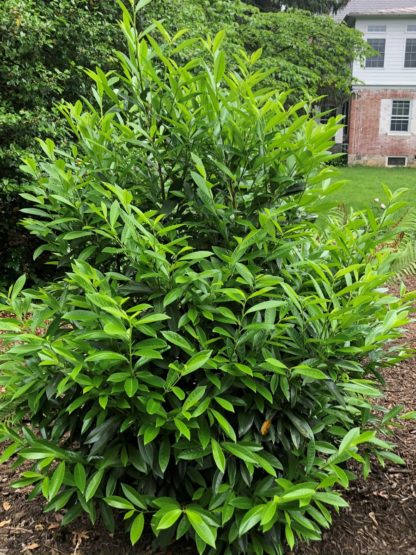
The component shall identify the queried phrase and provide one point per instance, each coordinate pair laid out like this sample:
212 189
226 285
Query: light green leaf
194 397
169 519
196 255
133 496
308 372
93 485
164 454
71 235
203 530
105 356
250 519
290 538
197 361
136 529
218 455
179 341
183 428
298 494
131 386
152 318
56 480
265 305
330 499
150 434
225 425
348 439
119 503
17 287
219 66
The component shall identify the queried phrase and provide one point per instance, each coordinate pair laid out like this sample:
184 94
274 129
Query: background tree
307 53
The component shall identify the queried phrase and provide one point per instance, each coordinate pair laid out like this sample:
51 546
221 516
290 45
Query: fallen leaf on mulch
6 505
5 523
31 547
78 537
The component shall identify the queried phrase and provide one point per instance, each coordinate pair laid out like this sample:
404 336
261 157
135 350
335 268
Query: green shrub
208 361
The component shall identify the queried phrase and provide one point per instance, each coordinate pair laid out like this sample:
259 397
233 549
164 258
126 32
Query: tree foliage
208 359
311 55
44 46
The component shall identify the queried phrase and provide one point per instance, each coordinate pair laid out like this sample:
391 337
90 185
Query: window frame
405 158
408 39
380 53
376 28
399 118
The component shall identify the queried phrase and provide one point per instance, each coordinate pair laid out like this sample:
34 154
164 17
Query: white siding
394 73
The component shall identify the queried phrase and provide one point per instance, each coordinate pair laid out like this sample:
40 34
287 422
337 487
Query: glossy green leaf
136 529
80 478
93 484
169 518
206 532
225 425
56 480
197 361
218 455
118 503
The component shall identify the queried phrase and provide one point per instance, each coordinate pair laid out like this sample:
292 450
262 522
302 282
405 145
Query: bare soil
381 519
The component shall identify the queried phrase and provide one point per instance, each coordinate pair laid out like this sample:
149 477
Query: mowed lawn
366 184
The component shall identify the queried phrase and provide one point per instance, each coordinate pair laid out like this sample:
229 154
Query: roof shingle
382 7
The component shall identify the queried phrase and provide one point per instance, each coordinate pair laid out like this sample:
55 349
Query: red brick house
382 112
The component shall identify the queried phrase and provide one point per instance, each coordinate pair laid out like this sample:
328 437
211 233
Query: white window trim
401 133
378 36
384 31
406 161
404 67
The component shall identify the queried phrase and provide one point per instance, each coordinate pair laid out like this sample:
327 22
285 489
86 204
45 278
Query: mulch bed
381 519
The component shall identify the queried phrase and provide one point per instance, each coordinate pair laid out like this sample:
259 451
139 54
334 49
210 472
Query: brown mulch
381 519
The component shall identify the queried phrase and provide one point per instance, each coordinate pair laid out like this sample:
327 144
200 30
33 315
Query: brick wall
370 140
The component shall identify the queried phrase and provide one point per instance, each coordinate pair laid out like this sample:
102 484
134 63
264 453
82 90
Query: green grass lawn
366 184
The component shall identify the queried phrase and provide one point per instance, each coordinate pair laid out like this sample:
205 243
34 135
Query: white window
410 55
378 60
377 28
400 116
